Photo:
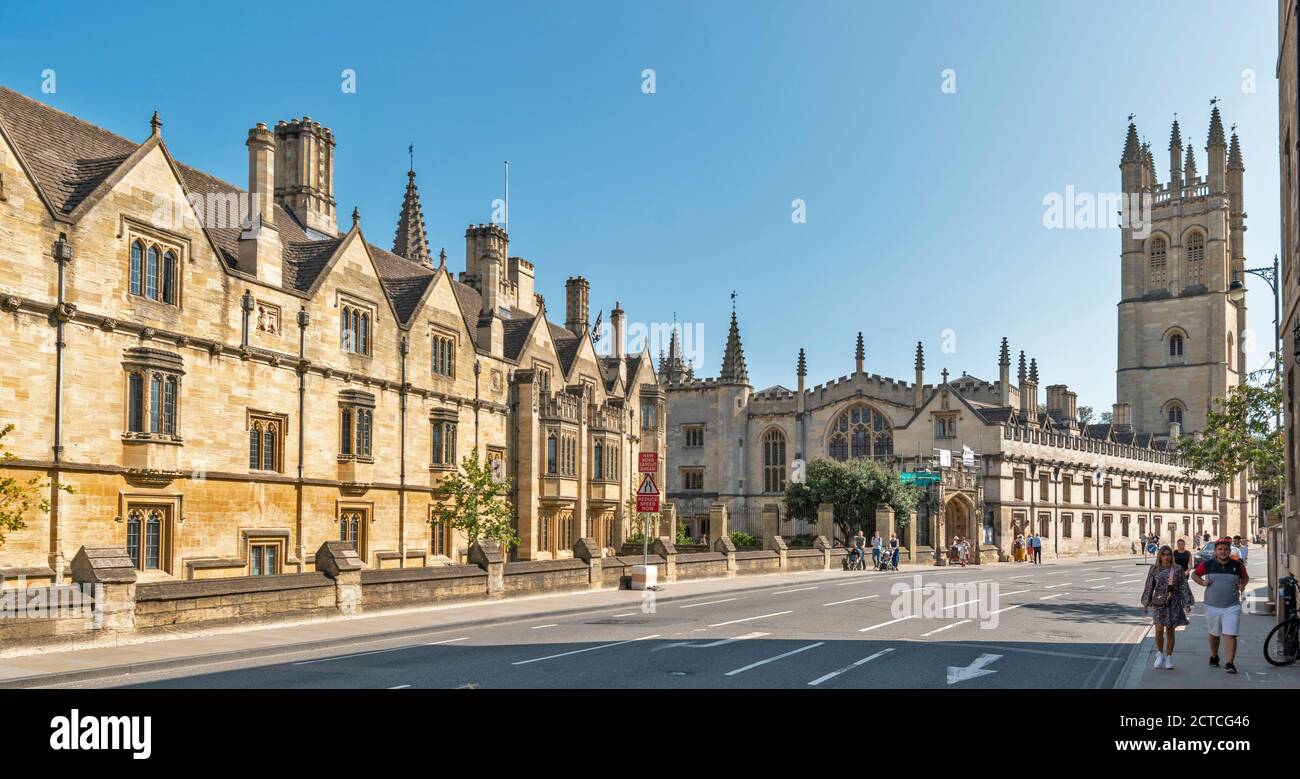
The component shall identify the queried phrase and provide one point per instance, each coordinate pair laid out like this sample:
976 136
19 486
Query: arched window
169 278
774 461
151 274
1175 345
1196 258
155 403
137 267
363 337
345 431
255 446
134 524
270 439
1175 413
860 431
153 540
1159 266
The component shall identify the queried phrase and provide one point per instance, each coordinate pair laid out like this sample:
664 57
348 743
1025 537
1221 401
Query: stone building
226 379
1288 86
1179 349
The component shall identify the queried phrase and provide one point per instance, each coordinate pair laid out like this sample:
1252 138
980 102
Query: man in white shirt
876 543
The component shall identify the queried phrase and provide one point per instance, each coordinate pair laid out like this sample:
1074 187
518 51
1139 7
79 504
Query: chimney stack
918 388
259 240
304 179
618 326
1121 415
576 295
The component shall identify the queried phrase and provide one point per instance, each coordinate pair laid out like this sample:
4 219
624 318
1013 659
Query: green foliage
742 539
17 497
473 503
683 535
855 488
1085 414
1240 434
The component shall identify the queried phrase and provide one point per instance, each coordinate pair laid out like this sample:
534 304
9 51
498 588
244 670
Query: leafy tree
1086 415
1106 416
855 488
473 503
1240 435
17 496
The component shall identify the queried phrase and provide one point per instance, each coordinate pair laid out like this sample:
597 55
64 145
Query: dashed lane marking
588 649
750 619
890 622
774 659
850 600
945 627
709 603
849 667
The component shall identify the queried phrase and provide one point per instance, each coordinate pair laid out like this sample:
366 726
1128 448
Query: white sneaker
1169 663
1160 660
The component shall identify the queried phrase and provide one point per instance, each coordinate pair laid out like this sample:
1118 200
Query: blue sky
924 209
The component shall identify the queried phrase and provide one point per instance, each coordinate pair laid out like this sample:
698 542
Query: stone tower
1182 244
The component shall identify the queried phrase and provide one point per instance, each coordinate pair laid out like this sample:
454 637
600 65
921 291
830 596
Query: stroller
855 560
886 560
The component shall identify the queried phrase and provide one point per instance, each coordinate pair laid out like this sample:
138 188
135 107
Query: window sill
347 458
439 468
152 438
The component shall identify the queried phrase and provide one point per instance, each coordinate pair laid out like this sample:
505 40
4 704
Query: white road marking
710 602
963 603
945 627
448 641
400 687
372 652
1008 608
845 584
750 619
972 671
1017 592
774 659
539 627
1057 595
625 614
580 651
850 600
1054 586
850 667
721 642
1099 579
797 589
1098 587
890 622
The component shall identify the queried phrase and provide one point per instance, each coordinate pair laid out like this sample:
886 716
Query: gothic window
135 403
264 557
1175 413
146 537
137 267
352 528
552 455
1158 275
598 461
648 416
356 426
860 431
774 461
162 404
443 443
694 435
692 478
153 271
1175 345
438 540
265 447
444 355
354 334
1196 259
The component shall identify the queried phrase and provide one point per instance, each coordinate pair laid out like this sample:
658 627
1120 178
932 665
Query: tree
1106 416
1085 415
17 496
855 488
1240 435
473 503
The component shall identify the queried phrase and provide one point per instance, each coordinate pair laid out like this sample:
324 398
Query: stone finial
1215 136
335 557
1175 136
1132 151
1004 354
944 373
1189 166
733 358
1021 374
155 124
801 368
920 356
1234 155
1033 371
860 352
411 240
356 216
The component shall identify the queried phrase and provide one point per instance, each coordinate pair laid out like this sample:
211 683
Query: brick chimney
577 293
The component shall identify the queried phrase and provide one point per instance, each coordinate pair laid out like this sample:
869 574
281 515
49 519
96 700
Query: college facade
1087 488
226 379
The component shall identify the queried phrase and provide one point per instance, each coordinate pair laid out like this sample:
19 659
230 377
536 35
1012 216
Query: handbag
1160 593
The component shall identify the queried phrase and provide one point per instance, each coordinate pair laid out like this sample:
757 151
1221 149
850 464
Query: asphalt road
1069 625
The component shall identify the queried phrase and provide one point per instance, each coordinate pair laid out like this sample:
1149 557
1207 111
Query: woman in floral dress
1168 596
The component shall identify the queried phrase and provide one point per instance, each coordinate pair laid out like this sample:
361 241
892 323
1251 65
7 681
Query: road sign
648 462
647 496
919 478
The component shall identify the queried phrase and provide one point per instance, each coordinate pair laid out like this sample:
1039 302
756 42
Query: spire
1150 160
1132 152
801 368
1175 157
920 357
1234 155
1004 353
1175 136
1033 371
733 360
1020 375
155 125
1215 138
1189 167
411 241
860 353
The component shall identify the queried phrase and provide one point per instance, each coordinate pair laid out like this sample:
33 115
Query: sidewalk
1192 657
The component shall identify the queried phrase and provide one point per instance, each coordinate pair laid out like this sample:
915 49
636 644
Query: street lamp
1097 475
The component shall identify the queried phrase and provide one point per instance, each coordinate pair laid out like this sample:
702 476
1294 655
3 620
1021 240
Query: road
1067 625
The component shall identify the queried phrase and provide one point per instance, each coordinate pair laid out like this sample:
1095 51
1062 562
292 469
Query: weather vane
1130 117
733 301
411 151
1214 100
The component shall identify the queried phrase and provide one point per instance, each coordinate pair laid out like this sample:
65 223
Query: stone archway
958 520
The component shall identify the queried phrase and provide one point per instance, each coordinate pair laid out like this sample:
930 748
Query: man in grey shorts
1224 580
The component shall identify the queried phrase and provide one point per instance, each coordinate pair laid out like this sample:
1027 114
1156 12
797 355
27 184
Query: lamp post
1097 476
1237 294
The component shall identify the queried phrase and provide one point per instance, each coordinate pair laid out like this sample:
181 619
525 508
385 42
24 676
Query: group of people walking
1027 549
1167 596
886 552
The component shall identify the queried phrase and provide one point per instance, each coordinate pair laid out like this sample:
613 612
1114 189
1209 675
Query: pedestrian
1167 596
964 548
859 550
875 548
1018 549
1224 580
898 550
1036 541
1182 556
1142 541
1243 550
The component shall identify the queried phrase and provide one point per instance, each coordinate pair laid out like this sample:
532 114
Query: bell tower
1181 248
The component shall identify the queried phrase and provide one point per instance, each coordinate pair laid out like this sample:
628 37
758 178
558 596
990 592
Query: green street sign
920 478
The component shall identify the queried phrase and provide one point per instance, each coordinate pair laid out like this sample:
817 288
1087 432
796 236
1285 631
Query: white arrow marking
972 671
745 637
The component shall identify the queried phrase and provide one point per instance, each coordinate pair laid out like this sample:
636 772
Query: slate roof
69 158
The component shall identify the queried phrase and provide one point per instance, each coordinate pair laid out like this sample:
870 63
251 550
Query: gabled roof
566 346
405 281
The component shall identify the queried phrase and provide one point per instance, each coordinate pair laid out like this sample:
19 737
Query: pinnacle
1215 137
1234 155
1175 136
1131 148
411 241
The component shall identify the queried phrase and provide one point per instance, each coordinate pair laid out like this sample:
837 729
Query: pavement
1065 625
1192 656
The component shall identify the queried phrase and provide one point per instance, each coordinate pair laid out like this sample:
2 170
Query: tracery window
860 431
1196 259
265 448
154 270
1159 265
774 461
